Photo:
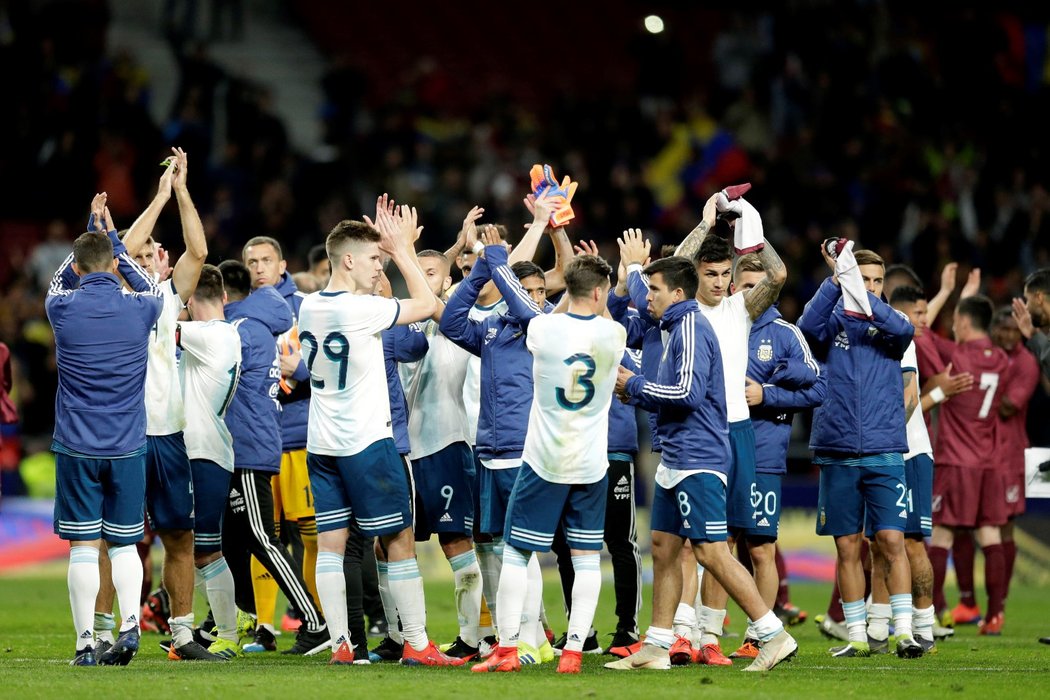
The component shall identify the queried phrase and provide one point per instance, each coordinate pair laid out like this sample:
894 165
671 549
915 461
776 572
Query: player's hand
110 226
386 225
541 207
161 262
408 224
180 176
949 275
953 384
384 203
586 248
621 279
622 375
98 212
829 260
753 392
290 363
634 250
973 284
490 236
164 184
1023 318
711 211
469 232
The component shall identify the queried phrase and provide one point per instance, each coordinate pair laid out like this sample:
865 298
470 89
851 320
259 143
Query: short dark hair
209 285
348 232
1038 281
584 273
678 272
907 294
1002 314
316 255
93 252
714 249
978 309
870 257
236 279
527 268
904 270
263 240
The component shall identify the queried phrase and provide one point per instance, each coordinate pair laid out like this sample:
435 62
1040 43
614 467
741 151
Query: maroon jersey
969 424
928 347
1024 377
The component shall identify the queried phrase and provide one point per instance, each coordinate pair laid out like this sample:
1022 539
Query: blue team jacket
780 360
642 334
101 345
254 415
863 412
506 363
401 344
295 405
623 419
688 395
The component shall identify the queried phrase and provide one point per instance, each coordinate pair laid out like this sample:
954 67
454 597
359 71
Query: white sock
767 626
585 590
331 589
467 575
406 589
389 607
659 637
684 620
879 621
513 589
104 626
127 580
217 582
923 622
83 581
698 604
490 561
855 614
750 632
901 606
711 622
531 631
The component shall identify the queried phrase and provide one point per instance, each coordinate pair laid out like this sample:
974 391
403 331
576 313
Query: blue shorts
849 495
211 490
739 512
100 498
444 492
695 508
371 487
765 502
918 478
496 486
169 483
537 507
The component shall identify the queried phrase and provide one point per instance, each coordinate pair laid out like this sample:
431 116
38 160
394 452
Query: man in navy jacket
859 440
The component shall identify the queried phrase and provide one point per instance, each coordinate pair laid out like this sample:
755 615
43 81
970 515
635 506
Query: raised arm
456 324
397 239
689 247
409 343
554 278
518 301
468 235
934 305
142 229
765 293
188 269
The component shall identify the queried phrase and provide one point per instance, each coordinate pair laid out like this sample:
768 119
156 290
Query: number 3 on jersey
336 348
581 383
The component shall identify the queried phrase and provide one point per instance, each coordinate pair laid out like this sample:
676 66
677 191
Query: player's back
209 371
575 362
340 337
967 431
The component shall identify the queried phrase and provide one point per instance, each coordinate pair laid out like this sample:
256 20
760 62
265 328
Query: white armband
937 394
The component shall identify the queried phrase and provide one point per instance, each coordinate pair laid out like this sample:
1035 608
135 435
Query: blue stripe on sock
854 611
900 603
462 561
586 562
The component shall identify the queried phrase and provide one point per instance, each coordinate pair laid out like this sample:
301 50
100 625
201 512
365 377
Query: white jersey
434 394
340 337
918 436
731 322
574 365
210 369
165 413
472 382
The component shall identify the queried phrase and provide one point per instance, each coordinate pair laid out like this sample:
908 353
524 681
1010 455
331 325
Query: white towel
854 294
747 233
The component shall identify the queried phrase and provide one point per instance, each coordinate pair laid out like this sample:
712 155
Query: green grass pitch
36 644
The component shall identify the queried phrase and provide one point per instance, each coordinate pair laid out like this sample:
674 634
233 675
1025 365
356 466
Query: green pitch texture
36 644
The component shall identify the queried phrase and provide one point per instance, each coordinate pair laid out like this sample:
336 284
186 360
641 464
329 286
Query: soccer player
293 500
969 489
254 421
859 436
1033 316
782 378
209 371
319 265
731 318
169 488
355 471
100 428
689 499
442 461
563 481
506 398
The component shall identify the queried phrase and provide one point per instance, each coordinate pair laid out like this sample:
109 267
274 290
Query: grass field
36 644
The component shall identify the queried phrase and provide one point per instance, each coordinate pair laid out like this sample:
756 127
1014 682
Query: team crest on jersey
872 331
490 336
823 518
842 340
1013 494
765 352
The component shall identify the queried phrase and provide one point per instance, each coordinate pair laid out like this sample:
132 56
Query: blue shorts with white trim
537 507
100 497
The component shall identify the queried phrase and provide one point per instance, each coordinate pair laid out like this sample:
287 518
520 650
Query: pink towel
747 232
